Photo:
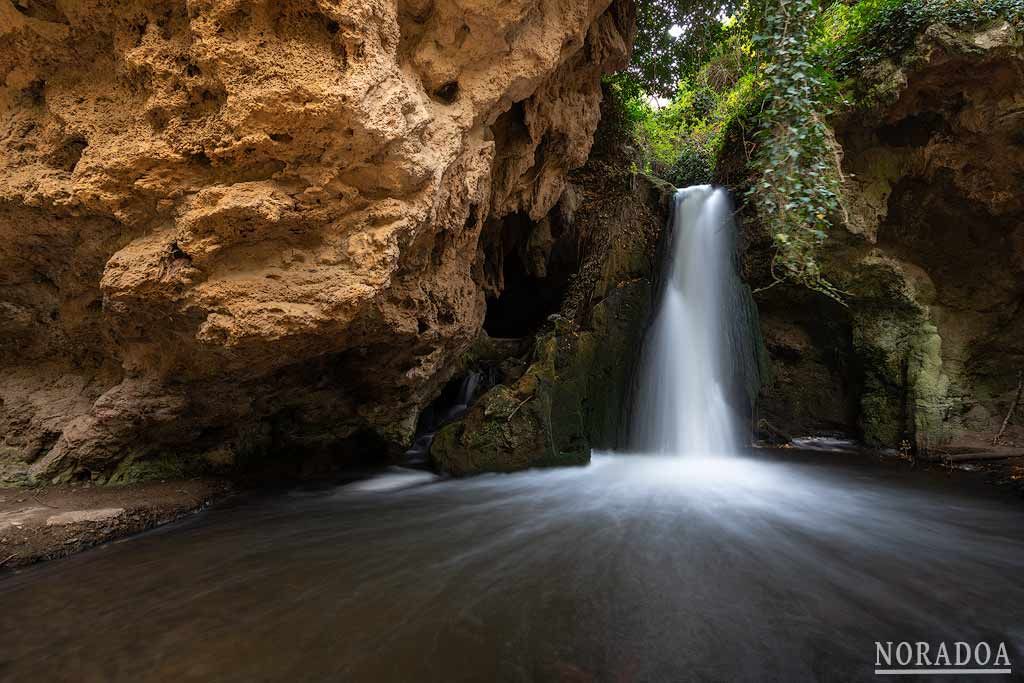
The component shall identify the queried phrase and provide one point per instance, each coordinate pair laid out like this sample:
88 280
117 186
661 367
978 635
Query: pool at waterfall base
768 565
690 559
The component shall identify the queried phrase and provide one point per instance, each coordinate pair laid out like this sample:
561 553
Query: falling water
639 568
436 417
688 358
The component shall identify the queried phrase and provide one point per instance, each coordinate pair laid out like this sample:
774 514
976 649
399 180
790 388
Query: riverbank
53 522
1000 471
997 467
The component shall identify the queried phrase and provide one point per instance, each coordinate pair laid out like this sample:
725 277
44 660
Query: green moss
898 348
501 433
572 396
570 399
853 37
928 388
171 466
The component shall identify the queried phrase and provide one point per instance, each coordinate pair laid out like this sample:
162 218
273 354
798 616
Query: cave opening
523 305
448 93
534 264
449 405
965 263
69 153
967 252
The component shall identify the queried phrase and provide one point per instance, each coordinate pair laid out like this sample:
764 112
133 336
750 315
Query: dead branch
1013 407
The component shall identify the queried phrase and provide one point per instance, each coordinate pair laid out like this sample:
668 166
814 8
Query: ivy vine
797 173
880 29
777 66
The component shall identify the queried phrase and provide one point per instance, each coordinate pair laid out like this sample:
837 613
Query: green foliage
807 49
680 139
797 186
627 106
778 68
659 59
691 167
853 37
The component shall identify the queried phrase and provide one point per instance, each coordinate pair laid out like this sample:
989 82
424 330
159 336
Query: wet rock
574 394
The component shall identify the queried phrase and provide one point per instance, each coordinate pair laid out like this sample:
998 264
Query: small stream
773 566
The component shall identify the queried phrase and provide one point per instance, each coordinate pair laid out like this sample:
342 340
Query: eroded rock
932 257
232 228
574 392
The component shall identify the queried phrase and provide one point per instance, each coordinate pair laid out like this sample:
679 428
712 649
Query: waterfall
436 416
696 342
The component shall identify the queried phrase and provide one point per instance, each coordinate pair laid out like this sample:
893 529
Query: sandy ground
47 523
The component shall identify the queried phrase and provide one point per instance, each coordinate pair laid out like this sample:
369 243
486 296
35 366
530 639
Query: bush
854 37
778 69
691 167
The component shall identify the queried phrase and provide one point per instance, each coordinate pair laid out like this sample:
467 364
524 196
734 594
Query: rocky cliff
930 253
237 228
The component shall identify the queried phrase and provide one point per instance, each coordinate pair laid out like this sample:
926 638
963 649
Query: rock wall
570 391
232 228
931 253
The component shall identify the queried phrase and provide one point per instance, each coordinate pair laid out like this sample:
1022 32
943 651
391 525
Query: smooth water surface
639 568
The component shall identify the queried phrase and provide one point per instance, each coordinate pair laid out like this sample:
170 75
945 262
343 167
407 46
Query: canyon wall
236 229
926 352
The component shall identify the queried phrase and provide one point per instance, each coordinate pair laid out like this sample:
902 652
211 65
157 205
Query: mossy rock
568 395
572 396
219 461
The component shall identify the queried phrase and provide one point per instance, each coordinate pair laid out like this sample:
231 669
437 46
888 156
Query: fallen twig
516 409
1013 407
8 559
775 431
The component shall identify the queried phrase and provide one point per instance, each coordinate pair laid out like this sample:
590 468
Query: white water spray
681 405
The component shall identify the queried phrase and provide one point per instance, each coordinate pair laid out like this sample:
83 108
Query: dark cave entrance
524 304
966 264
532 266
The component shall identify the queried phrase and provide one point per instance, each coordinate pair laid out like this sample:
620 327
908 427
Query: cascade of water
418 454
681 404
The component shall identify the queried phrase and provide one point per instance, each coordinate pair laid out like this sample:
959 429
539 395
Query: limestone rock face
932 257
231 227
570 393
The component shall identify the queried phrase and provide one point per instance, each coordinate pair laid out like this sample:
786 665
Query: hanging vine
777 66
796 192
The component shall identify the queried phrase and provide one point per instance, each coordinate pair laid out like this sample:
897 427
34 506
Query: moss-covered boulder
898 349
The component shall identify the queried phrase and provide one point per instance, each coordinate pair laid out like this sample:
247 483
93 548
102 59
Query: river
765 566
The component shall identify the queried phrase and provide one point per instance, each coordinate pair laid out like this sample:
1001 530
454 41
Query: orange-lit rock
227 227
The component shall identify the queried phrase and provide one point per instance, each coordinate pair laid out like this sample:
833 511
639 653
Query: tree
673 38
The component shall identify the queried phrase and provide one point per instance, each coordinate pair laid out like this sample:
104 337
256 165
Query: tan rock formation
228 226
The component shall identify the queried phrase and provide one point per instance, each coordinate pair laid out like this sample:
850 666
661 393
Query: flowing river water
693 561
783 566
